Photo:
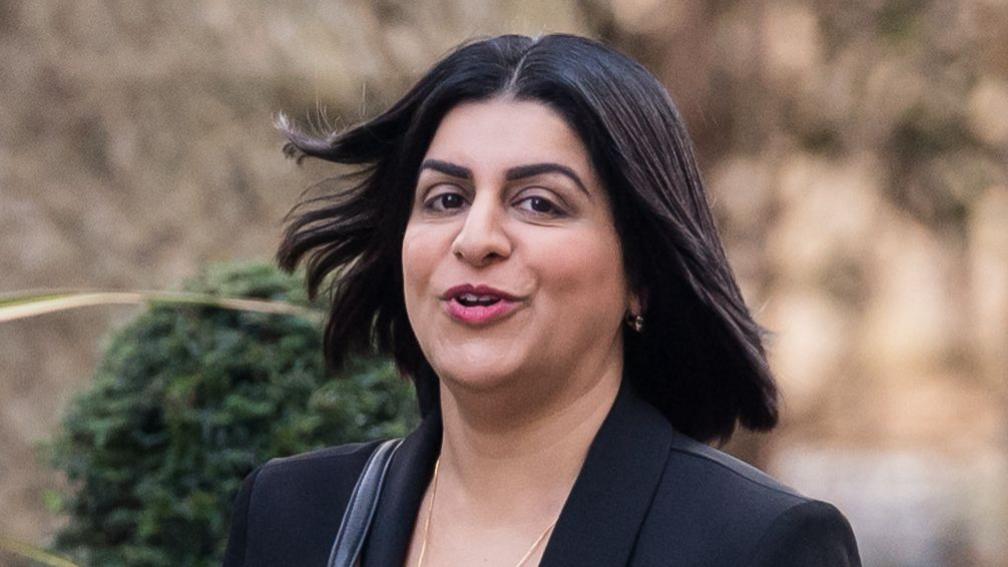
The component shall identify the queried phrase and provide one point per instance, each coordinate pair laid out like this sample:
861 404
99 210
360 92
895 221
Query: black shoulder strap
361 507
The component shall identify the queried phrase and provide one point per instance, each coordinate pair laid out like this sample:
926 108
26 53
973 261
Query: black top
646 496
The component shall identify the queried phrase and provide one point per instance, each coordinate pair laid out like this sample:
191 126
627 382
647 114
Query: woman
527 234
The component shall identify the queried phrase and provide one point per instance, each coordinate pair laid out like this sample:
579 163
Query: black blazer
646 496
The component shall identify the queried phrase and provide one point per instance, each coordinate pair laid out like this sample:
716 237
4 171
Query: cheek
418 257
586 276
424 248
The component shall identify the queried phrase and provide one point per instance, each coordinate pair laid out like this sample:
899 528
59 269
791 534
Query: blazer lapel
409 473
611 496
599 522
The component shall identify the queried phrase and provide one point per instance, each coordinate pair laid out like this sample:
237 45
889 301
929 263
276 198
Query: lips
478 304
483 291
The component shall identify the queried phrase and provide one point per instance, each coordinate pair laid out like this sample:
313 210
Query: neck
521 462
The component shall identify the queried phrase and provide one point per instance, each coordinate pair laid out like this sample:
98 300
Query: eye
445 202
540 206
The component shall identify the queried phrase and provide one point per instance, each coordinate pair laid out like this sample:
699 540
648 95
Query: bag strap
361 507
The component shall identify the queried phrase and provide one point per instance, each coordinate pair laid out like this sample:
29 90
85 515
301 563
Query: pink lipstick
478 305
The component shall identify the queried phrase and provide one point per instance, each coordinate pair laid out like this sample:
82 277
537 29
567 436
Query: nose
482 240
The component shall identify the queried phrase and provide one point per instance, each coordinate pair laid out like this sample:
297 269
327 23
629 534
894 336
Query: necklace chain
430 512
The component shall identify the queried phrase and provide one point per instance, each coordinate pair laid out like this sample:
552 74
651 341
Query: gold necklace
430 512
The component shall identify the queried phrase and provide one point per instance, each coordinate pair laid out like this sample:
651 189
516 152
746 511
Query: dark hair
700 358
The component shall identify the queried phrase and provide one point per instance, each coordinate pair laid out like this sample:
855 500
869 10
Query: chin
477 370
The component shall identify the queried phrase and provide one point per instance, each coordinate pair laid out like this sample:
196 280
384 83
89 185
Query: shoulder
721 511
325 464
724 475
322 478
289 509
810 533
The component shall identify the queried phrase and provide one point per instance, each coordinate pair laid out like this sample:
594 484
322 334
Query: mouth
478 305
469 294
473 300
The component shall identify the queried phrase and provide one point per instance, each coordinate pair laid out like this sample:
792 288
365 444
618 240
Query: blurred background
856 155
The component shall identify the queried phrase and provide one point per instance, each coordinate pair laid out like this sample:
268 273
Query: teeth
472 298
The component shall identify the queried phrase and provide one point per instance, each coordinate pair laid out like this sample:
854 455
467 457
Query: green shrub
186 401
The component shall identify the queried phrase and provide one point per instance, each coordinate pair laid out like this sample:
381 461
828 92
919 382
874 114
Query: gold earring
635 322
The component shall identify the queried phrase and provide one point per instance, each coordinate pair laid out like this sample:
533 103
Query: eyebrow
512 174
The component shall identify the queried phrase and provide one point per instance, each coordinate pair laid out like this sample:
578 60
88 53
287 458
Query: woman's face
511 262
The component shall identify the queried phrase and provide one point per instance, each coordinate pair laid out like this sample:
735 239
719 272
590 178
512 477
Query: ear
637 302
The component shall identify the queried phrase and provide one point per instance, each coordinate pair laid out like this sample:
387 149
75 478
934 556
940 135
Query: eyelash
436 203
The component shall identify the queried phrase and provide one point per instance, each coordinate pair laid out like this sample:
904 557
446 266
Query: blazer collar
599 522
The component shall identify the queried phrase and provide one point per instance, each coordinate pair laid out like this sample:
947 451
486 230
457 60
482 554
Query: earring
635 322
